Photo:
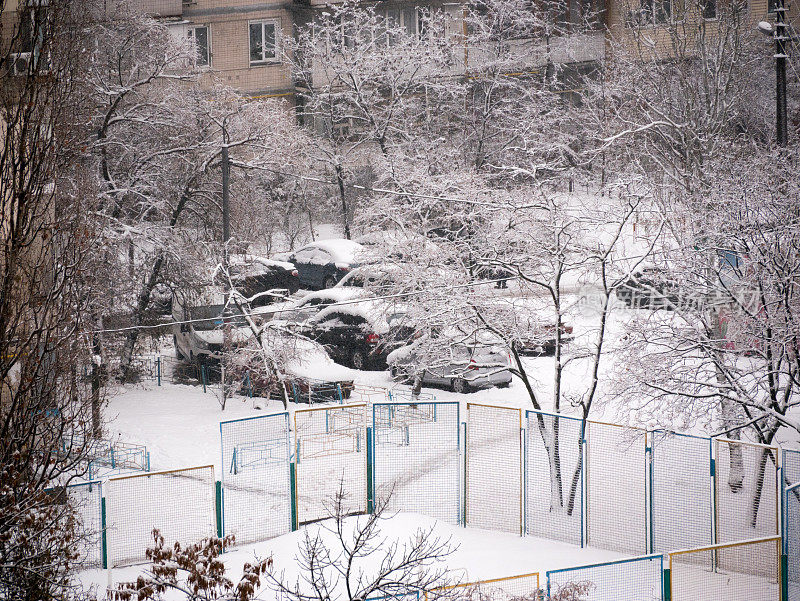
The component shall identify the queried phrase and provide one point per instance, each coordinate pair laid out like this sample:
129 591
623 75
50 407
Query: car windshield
211 318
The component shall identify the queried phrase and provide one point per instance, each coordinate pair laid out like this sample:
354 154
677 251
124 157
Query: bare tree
46 412
350 557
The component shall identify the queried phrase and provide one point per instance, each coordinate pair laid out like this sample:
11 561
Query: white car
468 366
197 332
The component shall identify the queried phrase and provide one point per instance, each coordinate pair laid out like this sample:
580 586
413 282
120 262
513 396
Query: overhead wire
286 310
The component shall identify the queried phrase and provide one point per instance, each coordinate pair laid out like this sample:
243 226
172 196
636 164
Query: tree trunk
138 317
761 469
343 197
97 371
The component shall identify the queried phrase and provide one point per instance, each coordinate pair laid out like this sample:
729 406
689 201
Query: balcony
161 8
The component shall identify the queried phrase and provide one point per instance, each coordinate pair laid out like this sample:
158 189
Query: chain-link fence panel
331 457
416 458
635 579
616 482
86 501
791 520
255 477
681 491
524 586
745 571
554 477
494 466
746 490
179 503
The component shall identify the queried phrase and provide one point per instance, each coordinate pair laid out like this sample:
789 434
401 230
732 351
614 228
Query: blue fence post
370 471
293 492
219 500
158 369
667 582
649 501
103 540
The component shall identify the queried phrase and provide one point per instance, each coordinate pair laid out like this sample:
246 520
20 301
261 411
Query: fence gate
746 490
494 468
86 500
416 458
616 494
180 503
554 477
743 571
255 477
331 456
680 491
634 579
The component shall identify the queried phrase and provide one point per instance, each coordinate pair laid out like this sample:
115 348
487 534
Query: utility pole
780 73
226 236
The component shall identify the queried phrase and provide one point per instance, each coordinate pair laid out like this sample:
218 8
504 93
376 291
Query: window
405 18
651 12
263 42
29 41
202 41
708 8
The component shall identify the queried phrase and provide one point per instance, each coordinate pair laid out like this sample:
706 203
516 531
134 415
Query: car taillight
373 338
295 274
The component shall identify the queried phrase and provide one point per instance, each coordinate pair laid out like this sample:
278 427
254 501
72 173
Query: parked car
263 280
199 317
323 263
653 288
309 305
478 364
543 341
355 335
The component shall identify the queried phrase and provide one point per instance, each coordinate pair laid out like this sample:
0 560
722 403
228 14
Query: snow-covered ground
478 555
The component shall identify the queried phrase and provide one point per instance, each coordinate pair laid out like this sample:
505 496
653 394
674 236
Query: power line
321 307
382 190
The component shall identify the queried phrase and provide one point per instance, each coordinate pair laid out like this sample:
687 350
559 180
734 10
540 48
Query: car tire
328 282
358 360
459 386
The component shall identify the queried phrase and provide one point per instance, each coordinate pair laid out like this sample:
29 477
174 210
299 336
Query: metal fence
416 458
681 488
741 571
179 503
747 499
86 500
494 468
554 473
634 579
791 522
523 586
550 476
616 477
331 460
256 493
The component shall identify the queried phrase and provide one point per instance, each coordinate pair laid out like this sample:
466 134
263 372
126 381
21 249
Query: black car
323 263
353 335
257 276
653 288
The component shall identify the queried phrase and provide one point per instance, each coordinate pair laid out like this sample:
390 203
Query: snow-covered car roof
256 265
342 250
375 312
